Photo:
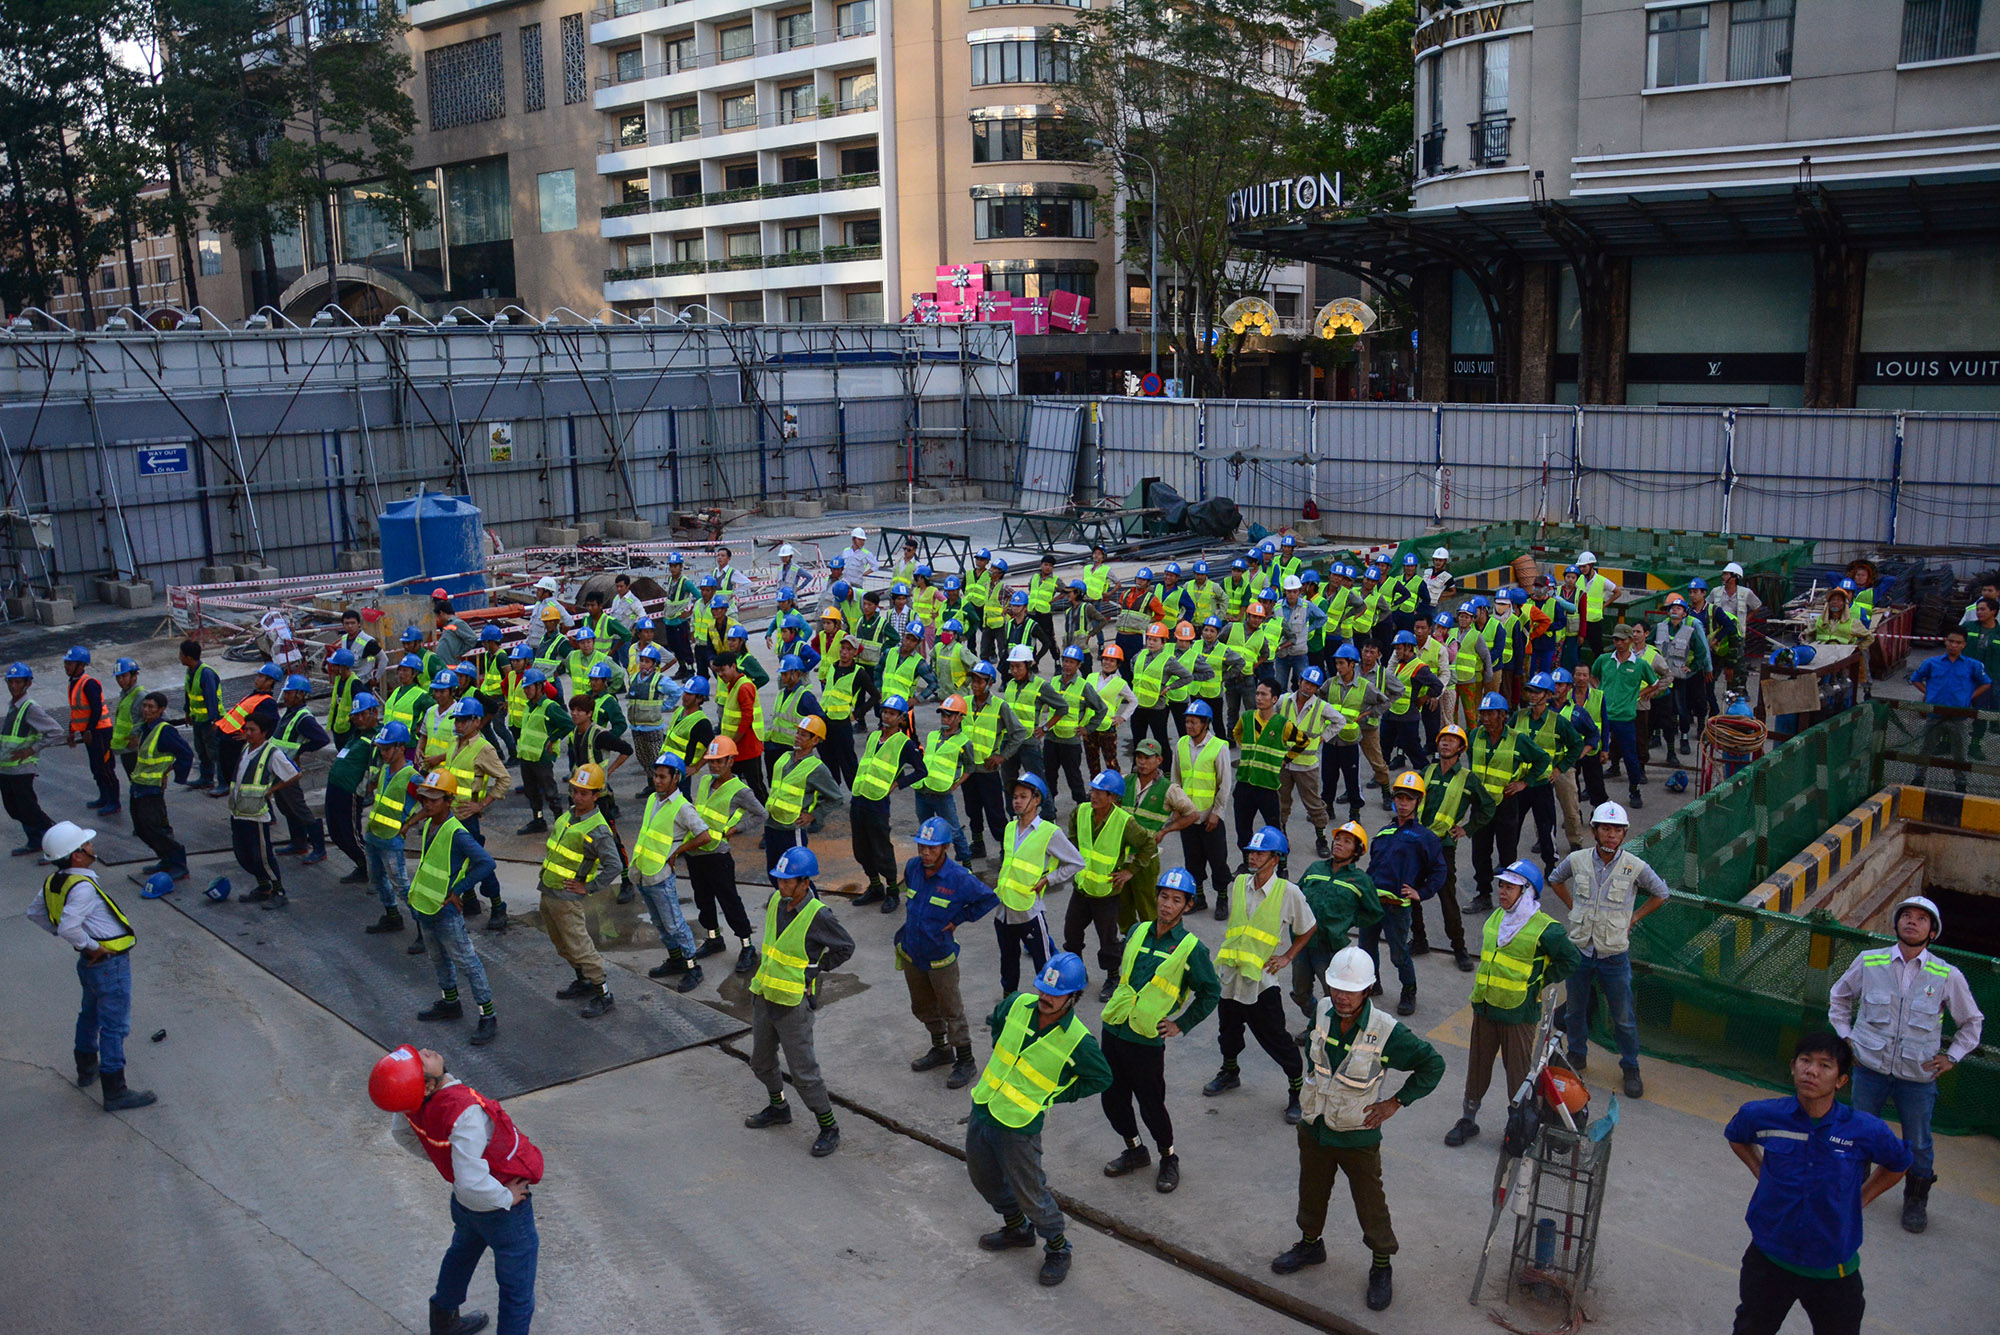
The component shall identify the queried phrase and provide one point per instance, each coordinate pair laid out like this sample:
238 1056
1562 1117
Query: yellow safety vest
460 762
1099 848
1071 722
791 800
249 798
54 896
656 834
1493 762
433 882
1200 774
385 814
1251 938
1149 676
1024 865
880 763
781 971
1506 973
983 727
732 711
715 804
1022 1081
568 849
1142 1009
149 770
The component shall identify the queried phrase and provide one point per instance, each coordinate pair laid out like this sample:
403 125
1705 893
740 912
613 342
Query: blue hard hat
672 761
934 833
1269 839
899 590
1312 676
1211 623
1493 700
1542 681
955 626
411 635
488 634
984 669
1347 651
445 681
695 686
914 628
1372 572
1524 870
923 570
534 677
1268 595
295 682
643 623
18 671
218 889
1845 586
1444 620
837 563
1698 584
583 631
1034 781
717 602
1409 558
797 863
1561 677
363 702
1480 603
953 583
1309 577
1677 782
124 666
1063 976
600 672
793 621
520 652
1173 568
1515 594
842 590
982 555
412 662
898 703
1000 564
1404 637
791 663
735 632
465 672
338 658
273 671
1181 879
787 594
1202 709
1201 567
1078 586
1239 564
1075 654
1145 575
158 884
1110 781
710 582
468 708
675 559
1019 599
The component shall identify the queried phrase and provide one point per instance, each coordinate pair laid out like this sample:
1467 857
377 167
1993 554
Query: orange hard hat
1112 652
1156 631
397 1082
1564 1088
1184 632
813 726
722 748
1258 610
953 704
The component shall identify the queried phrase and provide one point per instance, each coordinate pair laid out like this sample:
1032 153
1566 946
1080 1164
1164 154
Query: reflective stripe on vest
1408 672
534 740
287 739
1150 807
433 882
716 805
122 720
79 709
1071 722
1494 763
342 711
403 706
1200 774
1338 1098
783 727
197 696
461 762
1449 799
880 763
568 848
149 770
680 733
836 696
983 727
1507 973
941 760
1601 922
899 672
1348 698
1149 676
1263 750
54 896
1142 1009
1251 938
1099 848
791 800
781 969
1025 862
732 711
643 706
248 795
1022 1080
385 814
17 735
232 722
656 834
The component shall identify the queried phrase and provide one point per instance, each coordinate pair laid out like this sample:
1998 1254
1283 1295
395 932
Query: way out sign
165 460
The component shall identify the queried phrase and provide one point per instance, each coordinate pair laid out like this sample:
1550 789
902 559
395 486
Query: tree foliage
1361 113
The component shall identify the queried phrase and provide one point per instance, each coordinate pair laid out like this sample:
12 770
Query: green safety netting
1730 988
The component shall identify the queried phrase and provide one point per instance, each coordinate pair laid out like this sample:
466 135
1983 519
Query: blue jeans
1914 1101
511 1234
664 900
444 933
388 872
1395 924
490 887
945 807
1289 668
1625 744
106 1014
1613 976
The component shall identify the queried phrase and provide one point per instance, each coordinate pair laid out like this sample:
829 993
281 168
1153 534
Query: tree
1205 90
1361 110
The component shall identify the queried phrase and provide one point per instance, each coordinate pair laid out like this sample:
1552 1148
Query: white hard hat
547 584
1587 559
1352 970
786 550
1733 569
1441 554
1913 902
65 837
1609 813
1020 653
859 532
1292 583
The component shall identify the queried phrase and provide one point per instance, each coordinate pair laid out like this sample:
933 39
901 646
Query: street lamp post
1153 268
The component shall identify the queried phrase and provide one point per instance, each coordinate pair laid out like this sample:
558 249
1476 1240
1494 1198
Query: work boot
1129 1161
535 826
1634 800
1225 1080
771 1114
451 1322
978 853
827 1141
1466 964
278 898
1320 845
86 1069
872 895
1110 986
1200 901
1222 906
318 855
893 900
1381 1287
390 921
1462 1130
1635 1088
574 988
443 1010
497 921
712 946
1055 1265
359 876
417 947
689 980
469 907
1301 1255
117 1097
938 1055
291 848
1481 903
625 891
1916 1202
601 1001
1003 1238
258 895
1406 1004
1169 1175
961 1074
486 1031
667 968
1579 1062
1292 1110
746 959
1419 948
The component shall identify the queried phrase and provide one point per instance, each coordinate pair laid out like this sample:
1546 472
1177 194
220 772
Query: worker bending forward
802 940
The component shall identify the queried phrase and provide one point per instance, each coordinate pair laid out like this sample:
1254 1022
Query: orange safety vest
232 722
79 711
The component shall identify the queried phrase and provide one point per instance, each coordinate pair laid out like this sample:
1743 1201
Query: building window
855 19
739 245
683 184
556 193
1677 46
798 103
862 232
861 160
803 309
680 54
1760 39
687 249
209 246
1042 61
1031 216
989 4
632 129
1042 139
802 238
534 97
804 168
628 64
735 42
746 310
683 122
865 307
1431 159
1286 304
163 271
1939 29
478 209
638 254
1493 130
739 111
857 91
634 189
466 82
1037 283
740 176
576 75
795 30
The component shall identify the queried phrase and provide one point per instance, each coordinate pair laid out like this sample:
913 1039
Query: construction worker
673 618
1454 804
891 761
1522 951
1156 672
741 720
1628 682
1736 602
1159 807
1889 1005
450 861
1401 724
75 906
1269 924
795 701
1253 640
724 803
1308 724
1204 771
537 743
90 723
994 606
1551 730
1296 620
125 714
482 781
491 1165
799 782
1116 852
299 732
670 826
582 856
1342 898
389 795
1683 643
1585 703
1353 1046
1469 663
1954 685
943 898
1116 703
1831 1161
407 699
262 770
1042 1055
202 706
946 762
1163 969
27 729
343 685
433 725
1601 887
1596 599
688 729
1035 857
997 736
648 693
802 941
157 747
1261 736
1505 761
1083 715
951 658
1360 705
846 689
1509 628
1406 863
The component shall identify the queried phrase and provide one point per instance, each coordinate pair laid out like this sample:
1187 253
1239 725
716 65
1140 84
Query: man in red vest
490 1166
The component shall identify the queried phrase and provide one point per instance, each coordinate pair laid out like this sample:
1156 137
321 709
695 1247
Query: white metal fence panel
1504 462
1139 439
1652 468
1813 474
1376 461
1950 493
1048 464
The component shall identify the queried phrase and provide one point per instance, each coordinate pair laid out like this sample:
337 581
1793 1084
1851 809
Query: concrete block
253 571
930 496
807 509
104 590
779 509
360 558
630 530
549 535
138 593
20 609
63 592
55 611
589 530
217 574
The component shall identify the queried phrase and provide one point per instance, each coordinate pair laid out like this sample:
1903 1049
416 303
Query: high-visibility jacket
1141 1009
56 891
1508 975
1252 938
1022 1080
1100 847
232 722
881 762
567 855
433 882
391 805
79 707
781 968
1200 772
1024 863
1150 807
656 834
716 805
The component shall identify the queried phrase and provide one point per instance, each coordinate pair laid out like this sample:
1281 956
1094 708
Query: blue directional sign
160 460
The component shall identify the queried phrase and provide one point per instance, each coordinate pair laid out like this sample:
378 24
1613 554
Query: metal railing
705 59
766 120
777 190
1490 140
781 260
1430 152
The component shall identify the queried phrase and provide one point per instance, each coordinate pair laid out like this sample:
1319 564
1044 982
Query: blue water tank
434 541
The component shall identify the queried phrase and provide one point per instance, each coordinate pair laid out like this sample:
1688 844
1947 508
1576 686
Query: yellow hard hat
1353 827
1453 730
1409 781
589 776
813 726
831 614
551 614
441 781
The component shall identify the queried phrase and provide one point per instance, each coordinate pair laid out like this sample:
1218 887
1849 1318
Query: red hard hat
440 593
397 1082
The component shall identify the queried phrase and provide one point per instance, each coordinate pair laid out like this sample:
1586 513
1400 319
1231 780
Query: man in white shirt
1021 922
261 770
1889 1006
1269 924
860 563
547 587
80 911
